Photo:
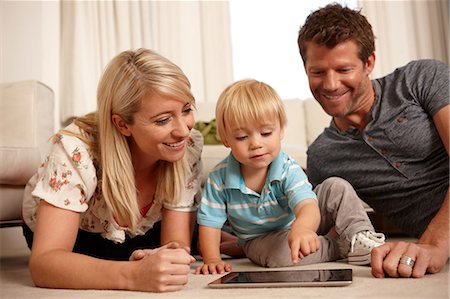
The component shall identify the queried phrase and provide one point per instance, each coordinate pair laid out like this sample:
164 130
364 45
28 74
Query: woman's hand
213 267
141 253
54 265
162 269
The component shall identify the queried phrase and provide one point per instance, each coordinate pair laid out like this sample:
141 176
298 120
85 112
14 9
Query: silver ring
406 260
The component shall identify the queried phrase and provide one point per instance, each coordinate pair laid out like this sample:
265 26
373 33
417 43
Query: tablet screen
290 278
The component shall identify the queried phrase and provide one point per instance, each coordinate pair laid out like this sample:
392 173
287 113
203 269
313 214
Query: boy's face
255 146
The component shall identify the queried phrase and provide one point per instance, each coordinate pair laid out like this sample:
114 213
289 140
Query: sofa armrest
19 164
26 115
26 126
211 156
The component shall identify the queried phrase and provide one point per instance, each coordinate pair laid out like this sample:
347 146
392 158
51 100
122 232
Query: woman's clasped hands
168 266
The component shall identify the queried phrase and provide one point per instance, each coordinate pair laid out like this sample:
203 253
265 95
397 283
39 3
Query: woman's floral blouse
69 179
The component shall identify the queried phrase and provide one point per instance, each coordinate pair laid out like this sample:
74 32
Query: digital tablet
290 278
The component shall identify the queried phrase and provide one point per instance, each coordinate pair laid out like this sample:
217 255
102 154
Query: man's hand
427 259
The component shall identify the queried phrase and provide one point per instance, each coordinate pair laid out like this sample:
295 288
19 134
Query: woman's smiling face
160 130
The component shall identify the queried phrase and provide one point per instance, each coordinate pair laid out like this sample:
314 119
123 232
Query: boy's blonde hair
248 102
126 81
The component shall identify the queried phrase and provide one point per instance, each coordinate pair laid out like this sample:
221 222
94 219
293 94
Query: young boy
267 198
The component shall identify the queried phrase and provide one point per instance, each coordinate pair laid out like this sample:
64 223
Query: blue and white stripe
250 214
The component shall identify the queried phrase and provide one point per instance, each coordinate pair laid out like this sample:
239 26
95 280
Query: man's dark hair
334 24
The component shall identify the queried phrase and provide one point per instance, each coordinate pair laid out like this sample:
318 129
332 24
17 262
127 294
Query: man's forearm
437 232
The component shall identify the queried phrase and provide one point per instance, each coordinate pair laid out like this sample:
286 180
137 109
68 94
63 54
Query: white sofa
306 120
26 124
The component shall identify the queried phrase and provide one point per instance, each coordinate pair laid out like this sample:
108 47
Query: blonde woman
123 178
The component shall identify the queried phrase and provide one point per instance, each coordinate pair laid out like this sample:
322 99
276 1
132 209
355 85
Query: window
264 42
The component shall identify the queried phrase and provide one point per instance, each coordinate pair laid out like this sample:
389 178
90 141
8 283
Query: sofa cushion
11 202
26 126
18 164
211 156
295 133
316 119
297 152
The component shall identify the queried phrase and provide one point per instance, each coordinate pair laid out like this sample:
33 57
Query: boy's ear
120 125
282 133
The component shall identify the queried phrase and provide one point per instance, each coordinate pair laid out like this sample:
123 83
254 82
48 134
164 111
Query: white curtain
193 34
196 36
407 30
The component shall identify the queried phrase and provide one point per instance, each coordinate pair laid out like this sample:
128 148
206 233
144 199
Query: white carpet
15 282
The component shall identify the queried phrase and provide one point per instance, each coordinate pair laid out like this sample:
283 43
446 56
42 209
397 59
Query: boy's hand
302 242
213 267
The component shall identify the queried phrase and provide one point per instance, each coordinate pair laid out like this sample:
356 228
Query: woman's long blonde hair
127 79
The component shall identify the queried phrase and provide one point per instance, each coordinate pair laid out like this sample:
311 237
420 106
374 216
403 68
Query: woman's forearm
62 269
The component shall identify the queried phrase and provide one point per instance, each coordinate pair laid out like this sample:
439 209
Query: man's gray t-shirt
398 163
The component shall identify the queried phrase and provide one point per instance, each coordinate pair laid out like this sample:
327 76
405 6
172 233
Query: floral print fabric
69 179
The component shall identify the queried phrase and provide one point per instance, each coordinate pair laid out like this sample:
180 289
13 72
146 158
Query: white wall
29 47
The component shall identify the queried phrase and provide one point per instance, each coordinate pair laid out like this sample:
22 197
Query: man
388 137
